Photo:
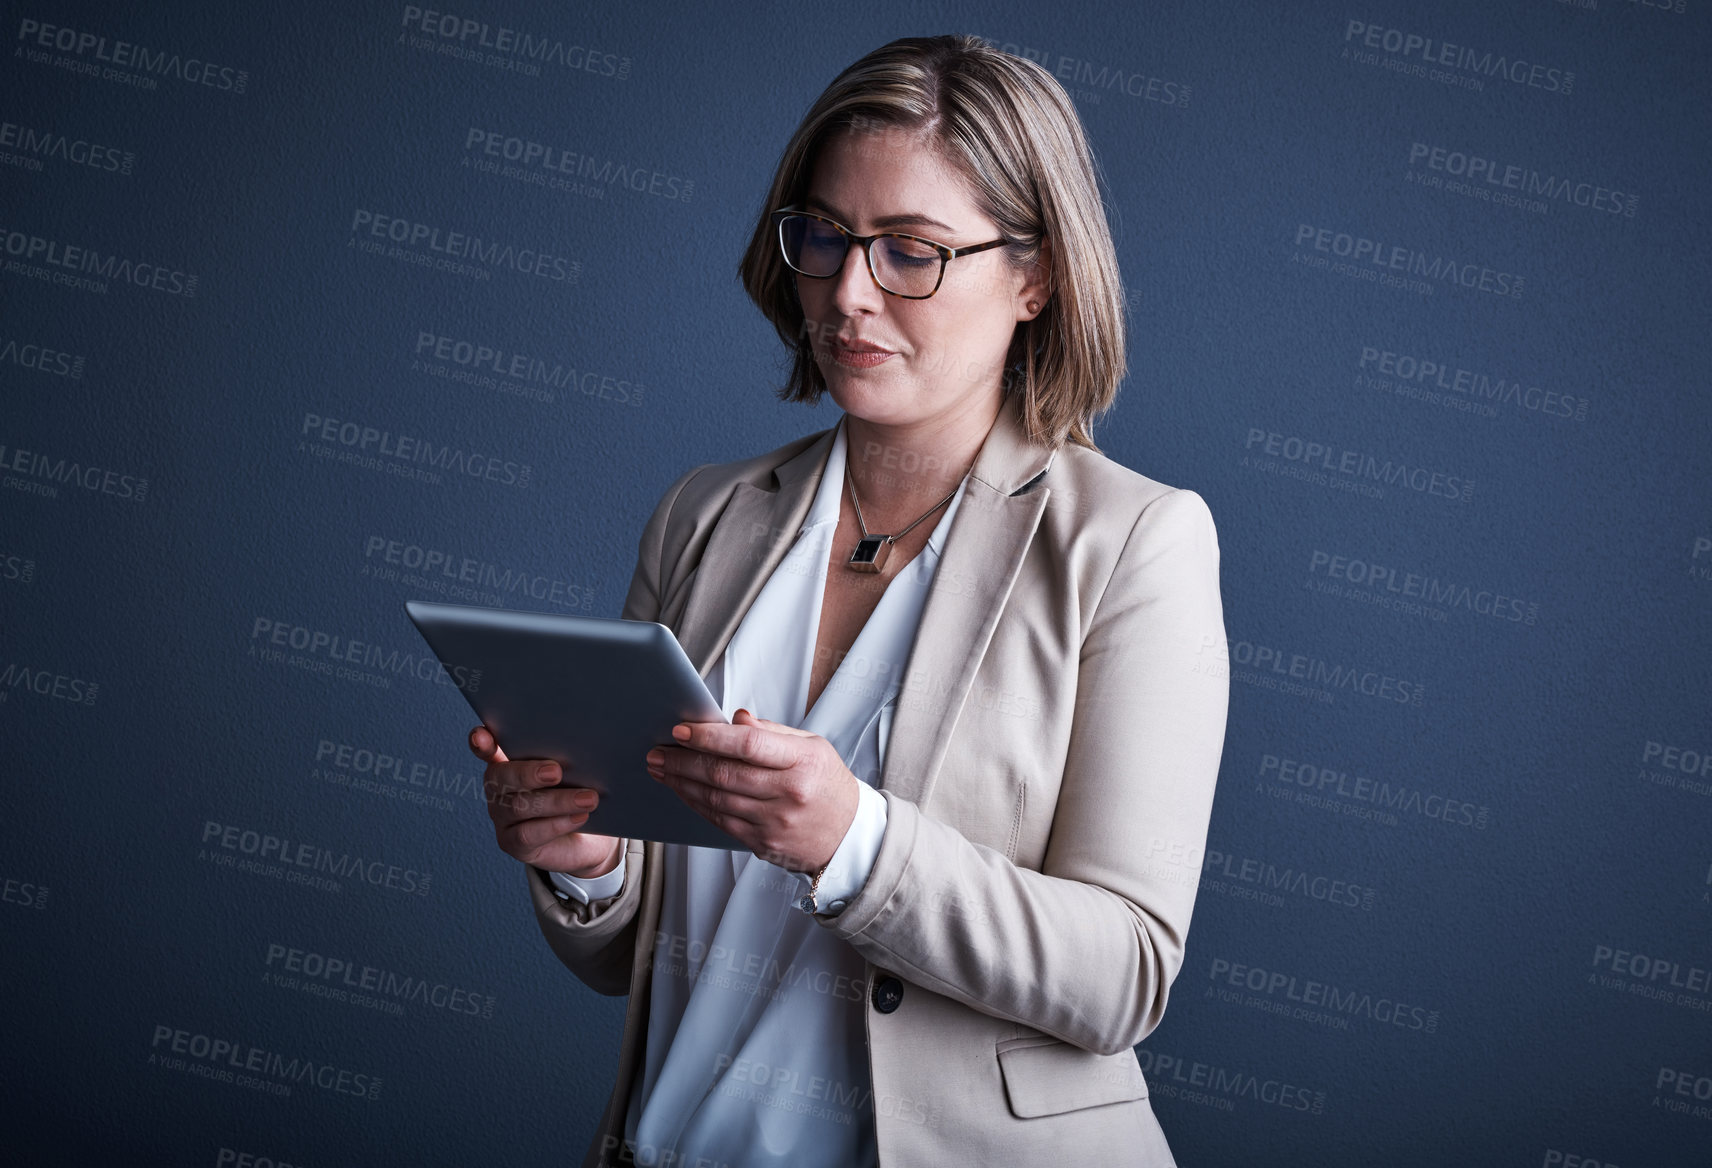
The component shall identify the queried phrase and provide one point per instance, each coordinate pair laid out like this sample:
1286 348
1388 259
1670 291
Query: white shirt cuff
588 888
854 859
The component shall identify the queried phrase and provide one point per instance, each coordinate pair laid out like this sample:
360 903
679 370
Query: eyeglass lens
817 248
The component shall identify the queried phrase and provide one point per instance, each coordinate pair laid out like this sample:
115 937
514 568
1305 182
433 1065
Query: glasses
904 265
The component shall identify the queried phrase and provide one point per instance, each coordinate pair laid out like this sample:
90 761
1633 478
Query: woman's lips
862 358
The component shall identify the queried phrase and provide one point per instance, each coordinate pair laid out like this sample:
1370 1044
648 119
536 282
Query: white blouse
757 1047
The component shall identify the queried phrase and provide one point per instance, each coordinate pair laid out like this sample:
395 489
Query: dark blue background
1542 723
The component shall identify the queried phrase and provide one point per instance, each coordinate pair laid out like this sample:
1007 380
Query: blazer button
888 992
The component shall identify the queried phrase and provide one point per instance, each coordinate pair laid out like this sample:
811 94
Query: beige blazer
1048 782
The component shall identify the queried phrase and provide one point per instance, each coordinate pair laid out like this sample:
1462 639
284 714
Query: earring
1033 306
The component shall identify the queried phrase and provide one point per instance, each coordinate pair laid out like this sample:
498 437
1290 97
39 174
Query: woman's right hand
537 822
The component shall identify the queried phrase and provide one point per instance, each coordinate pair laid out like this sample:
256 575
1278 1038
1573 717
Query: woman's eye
907 254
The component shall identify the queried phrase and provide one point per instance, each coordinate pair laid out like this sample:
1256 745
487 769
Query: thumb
769 724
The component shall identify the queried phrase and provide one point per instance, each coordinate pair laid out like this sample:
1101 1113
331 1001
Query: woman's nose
854 284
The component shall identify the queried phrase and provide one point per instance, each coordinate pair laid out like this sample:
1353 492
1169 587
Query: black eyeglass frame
946 254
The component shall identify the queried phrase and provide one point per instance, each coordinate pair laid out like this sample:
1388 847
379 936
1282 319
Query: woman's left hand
782 791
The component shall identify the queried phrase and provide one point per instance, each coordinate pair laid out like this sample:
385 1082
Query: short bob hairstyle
1009 128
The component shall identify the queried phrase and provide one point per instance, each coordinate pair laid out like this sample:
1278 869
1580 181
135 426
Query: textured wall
1418 302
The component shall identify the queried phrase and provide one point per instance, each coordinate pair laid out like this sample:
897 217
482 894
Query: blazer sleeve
1085 949
596 941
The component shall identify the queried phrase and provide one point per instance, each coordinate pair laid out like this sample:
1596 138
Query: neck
901 470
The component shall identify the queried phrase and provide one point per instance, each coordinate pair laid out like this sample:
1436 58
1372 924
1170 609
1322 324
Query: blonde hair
1008 127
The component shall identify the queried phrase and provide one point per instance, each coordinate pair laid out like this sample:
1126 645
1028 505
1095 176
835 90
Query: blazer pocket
1046 1076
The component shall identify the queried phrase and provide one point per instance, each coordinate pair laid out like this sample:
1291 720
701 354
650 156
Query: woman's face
946 352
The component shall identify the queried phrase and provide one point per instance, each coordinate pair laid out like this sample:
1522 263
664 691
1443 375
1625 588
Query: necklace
872 550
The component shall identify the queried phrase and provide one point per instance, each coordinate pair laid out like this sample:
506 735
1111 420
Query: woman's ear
1037 288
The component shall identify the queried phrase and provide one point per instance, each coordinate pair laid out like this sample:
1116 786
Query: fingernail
655 759
547 770
681 732
585 798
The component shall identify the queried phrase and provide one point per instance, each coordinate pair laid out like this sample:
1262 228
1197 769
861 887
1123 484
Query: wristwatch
809 904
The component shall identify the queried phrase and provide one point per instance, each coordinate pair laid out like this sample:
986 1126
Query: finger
526 774
750 743
720 806
485 746
502 783
780 727
531 835
540 772
552 801
721 771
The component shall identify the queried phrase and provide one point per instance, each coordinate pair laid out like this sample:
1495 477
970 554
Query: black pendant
871 552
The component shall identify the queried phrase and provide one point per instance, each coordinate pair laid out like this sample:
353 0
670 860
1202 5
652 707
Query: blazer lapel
984 552
985 546
749 540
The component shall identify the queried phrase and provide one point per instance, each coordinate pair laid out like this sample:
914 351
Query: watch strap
808 903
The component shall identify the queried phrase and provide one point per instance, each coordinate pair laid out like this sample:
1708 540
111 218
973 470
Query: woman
974 669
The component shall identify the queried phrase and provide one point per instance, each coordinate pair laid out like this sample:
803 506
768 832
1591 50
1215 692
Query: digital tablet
594 694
